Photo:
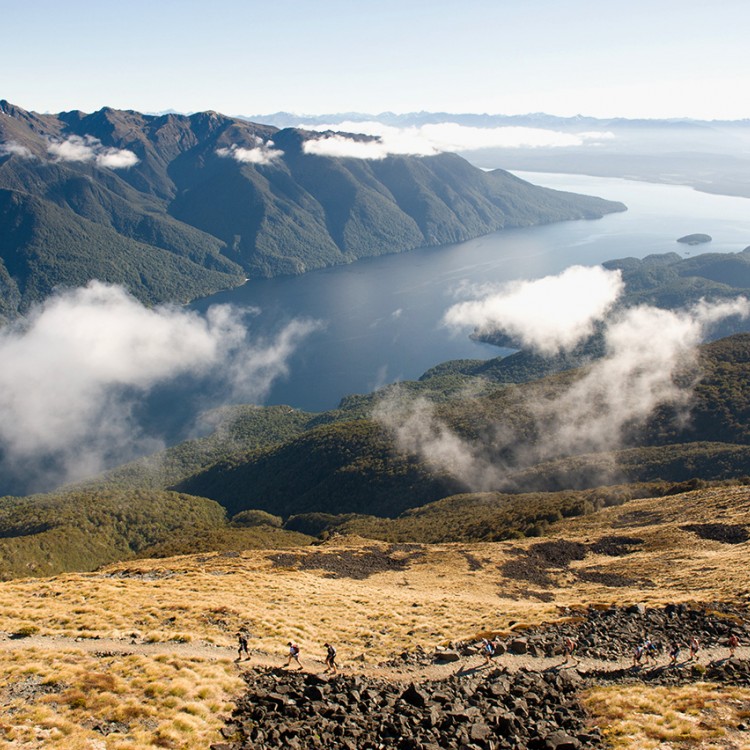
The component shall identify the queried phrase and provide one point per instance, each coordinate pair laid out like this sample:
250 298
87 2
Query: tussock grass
639 717
77 699
193 605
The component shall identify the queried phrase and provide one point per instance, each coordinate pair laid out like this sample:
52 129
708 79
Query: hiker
733 642
293 655
330 658
674 653
695 646
488 650
649 650
569 646
637 655
242 645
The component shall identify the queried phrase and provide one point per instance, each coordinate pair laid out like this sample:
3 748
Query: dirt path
468 665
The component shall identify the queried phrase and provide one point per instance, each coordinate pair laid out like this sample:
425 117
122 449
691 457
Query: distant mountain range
175 207
711 156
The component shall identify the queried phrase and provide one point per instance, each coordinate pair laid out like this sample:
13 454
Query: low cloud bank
647 351
13 148
89 149
75 370
264 152
427 140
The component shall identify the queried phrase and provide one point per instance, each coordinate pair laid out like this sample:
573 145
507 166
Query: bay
382 317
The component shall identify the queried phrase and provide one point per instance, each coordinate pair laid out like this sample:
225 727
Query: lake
382 316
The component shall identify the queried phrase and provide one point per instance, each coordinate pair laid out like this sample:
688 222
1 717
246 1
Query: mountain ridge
236 199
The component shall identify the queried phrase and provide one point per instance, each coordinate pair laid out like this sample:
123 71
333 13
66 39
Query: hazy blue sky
640 58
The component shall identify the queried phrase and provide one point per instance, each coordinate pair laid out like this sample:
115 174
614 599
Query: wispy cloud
76 369
646 349
427 140
89 149
12 148
264 152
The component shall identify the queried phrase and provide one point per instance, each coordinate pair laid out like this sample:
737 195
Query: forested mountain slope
175 207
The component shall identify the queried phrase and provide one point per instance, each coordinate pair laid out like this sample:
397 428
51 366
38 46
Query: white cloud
548 314
648 351
345 147
90 149
384 141
427 140
12 148
262 153
116 158
74 371
450 136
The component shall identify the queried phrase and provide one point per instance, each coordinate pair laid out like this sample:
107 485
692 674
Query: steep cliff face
176 206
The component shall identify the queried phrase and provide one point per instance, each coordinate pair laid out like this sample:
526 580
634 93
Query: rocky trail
412 666
605 641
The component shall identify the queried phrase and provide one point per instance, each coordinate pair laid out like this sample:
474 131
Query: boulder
518 646
561 741
414 696
447 655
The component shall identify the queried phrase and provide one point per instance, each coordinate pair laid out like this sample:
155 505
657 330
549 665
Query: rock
313 693
518 646
414 696
479 732
561 741
446 656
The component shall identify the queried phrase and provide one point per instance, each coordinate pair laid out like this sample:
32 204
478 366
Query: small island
695 239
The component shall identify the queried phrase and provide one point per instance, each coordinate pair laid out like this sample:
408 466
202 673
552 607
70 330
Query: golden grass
190 606
701 715
205 599
71 699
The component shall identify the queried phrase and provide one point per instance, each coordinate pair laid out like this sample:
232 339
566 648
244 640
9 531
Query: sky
642 58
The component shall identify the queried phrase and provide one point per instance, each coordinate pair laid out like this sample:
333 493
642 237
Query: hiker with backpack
674 653
242 645
695 646
293 655
488 650
569 646
330 658
649 651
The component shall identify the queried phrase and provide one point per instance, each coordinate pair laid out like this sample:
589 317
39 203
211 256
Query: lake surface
382 316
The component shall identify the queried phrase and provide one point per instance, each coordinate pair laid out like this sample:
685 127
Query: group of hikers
294 650
646 651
